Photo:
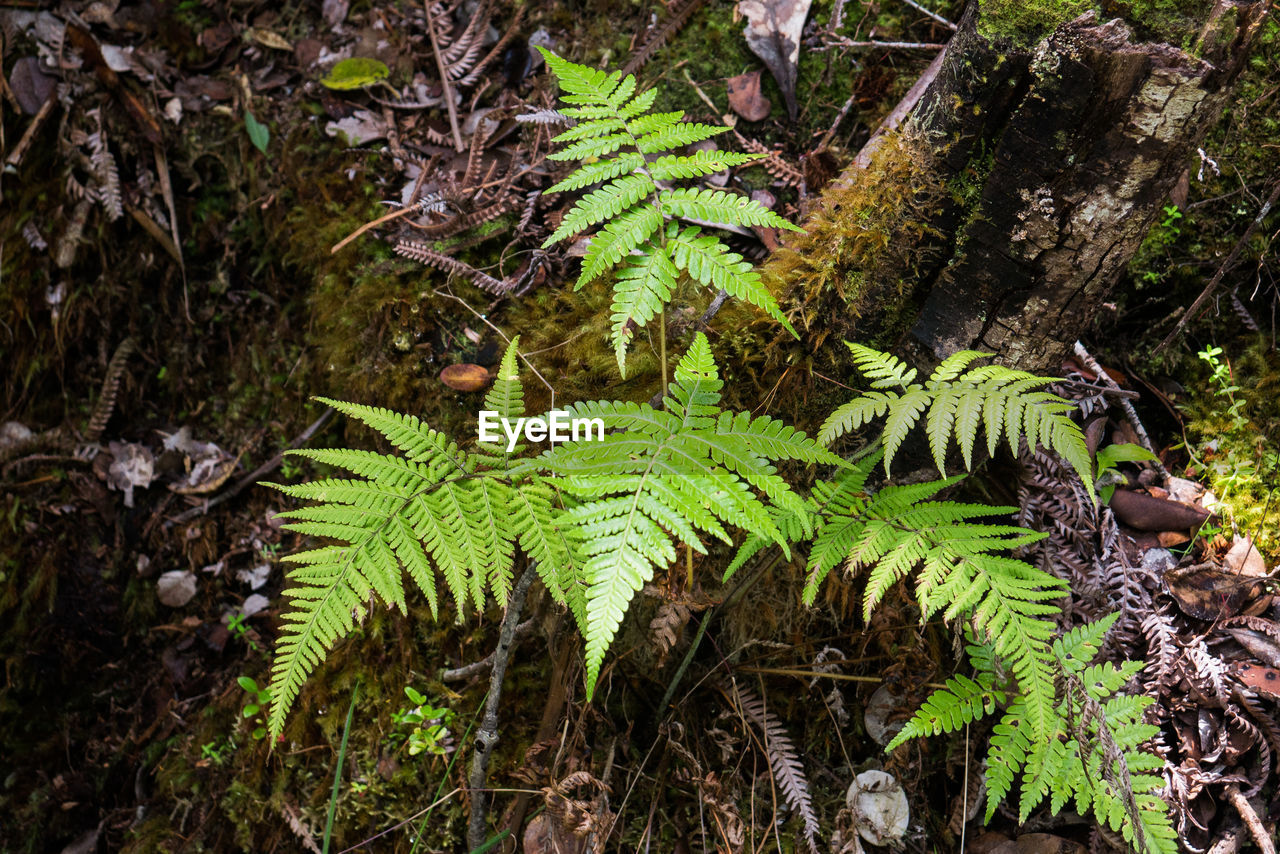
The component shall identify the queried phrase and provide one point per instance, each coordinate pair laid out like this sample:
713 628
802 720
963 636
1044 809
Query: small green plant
422 727
1108 459
239 629
255 709
218 750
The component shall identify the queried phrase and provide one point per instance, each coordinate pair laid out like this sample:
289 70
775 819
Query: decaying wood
1088 136
1067 150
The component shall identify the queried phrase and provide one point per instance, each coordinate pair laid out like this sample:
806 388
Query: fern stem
487 735
662 346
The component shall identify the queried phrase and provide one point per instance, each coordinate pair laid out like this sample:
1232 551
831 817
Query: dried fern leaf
421 253
110 388
658 37
784 761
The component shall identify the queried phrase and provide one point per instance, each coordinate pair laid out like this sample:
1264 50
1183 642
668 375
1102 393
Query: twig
15 157
716 303
941 20
458 674
840 41
445 85
1125 404
1197 306
1256 829
487 735
253 476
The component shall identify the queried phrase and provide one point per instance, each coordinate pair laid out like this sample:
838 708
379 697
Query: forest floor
170 304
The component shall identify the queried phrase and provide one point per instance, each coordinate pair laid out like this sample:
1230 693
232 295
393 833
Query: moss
1175 22
1026 22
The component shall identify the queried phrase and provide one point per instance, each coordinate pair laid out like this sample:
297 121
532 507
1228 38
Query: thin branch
941 20
1125 404
255 475
1197 306
487 735
840 41
458 674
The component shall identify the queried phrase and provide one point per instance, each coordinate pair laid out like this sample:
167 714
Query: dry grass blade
784 761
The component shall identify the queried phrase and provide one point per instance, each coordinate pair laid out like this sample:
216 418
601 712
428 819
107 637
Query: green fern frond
430 509
630 210
665 477
957 399
644 286
698 164
1071 764
720 207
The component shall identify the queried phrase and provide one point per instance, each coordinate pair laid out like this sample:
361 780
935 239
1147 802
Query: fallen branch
487 735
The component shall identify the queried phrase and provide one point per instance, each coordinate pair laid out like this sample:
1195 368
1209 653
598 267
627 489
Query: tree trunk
1052 164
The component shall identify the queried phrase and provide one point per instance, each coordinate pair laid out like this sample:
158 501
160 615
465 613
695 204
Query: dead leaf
358 128
773 34
1039 843
176 587
30 84
1244 559
255 603
1210 594
1261 644
883 716
256 576
1264 680
1170 539
465 377
1147 513
746 99
267 38
334 11
132 466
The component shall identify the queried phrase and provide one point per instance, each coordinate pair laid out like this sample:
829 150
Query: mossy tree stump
1050 162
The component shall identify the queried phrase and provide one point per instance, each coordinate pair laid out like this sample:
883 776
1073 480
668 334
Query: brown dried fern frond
110 390
784 761
425 255
661 34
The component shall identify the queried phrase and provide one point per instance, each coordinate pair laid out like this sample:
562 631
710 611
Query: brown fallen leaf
1264 680
1244 558
30 85
773 34
1210 594
745 97
1147 513
465 377
1170 539
1039 843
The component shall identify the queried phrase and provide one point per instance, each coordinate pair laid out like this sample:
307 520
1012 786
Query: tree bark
1052 164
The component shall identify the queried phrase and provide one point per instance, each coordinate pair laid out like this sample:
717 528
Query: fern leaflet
431 508
1004 402
663 477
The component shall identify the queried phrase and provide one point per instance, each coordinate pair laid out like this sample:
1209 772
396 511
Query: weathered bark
1063 156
